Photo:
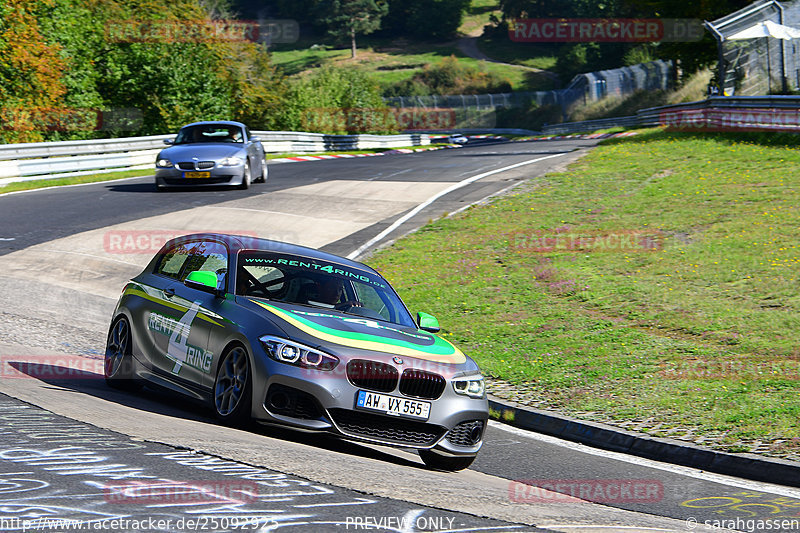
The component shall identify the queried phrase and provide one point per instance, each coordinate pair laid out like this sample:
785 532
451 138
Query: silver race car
290 335
211 154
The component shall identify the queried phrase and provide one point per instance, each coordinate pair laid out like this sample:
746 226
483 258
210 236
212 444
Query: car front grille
466 433
190 165
372 375
421 384
288 401
387 429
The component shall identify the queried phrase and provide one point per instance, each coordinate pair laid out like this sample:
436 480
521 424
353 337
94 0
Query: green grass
478 15
392 61
89 178
700 331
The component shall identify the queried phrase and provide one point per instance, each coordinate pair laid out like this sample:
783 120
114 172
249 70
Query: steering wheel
260 288
344 306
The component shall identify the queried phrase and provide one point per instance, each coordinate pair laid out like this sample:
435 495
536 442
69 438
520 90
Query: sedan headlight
231 161
296 354
164 163
472 386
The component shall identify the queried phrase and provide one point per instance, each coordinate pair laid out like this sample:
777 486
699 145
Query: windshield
210 133
301 280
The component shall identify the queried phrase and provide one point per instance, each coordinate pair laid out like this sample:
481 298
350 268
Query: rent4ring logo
605 30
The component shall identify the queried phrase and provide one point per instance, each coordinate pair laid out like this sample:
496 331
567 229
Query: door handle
169 293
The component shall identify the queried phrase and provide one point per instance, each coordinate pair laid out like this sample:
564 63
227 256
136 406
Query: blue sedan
211 154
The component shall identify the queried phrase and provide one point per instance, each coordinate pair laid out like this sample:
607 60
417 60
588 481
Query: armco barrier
32 161
721 113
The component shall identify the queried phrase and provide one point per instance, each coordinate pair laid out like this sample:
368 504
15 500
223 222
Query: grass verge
75 180
93 178
655 280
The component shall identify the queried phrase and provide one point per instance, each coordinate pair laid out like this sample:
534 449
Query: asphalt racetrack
73 449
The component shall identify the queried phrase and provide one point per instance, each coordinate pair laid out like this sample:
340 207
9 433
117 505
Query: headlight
472 386
297 354
164 163
231 161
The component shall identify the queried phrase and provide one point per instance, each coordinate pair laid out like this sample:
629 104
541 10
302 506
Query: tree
429 19
350 17
31 72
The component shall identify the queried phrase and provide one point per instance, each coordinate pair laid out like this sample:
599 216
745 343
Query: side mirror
255 139
169 141
203 280
427 322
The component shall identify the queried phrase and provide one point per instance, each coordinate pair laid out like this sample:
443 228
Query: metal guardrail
655 116
33 161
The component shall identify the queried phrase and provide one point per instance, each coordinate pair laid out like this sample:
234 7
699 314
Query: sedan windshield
312 282
210 133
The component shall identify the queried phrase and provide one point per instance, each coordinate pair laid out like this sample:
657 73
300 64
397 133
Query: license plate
392 405
197 174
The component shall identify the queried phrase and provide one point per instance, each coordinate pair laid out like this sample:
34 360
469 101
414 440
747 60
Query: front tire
118 361
246 176
264 171
232 396
434 461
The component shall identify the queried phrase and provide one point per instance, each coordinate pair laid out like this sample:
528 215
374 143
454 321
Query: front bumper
315 400
173 177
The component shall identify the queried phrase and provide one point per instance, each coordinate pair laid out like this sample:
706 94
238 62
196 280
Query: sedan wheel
232 387
118 363
264 171
246 176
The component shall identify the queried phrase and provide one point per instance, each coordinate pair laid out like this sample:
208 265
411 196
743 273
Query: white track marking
40 189
463 183
649 463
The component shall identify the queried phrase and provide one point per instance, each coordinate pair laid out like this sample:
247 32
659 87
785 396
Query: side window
172 262
247 131
209 256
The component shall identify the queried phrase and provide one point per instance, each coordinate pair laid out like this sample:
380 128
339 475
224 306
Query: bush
336 100
450 76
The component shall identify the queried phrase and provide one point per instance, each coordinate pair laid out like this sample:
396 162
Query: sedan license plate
197 174
392 405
